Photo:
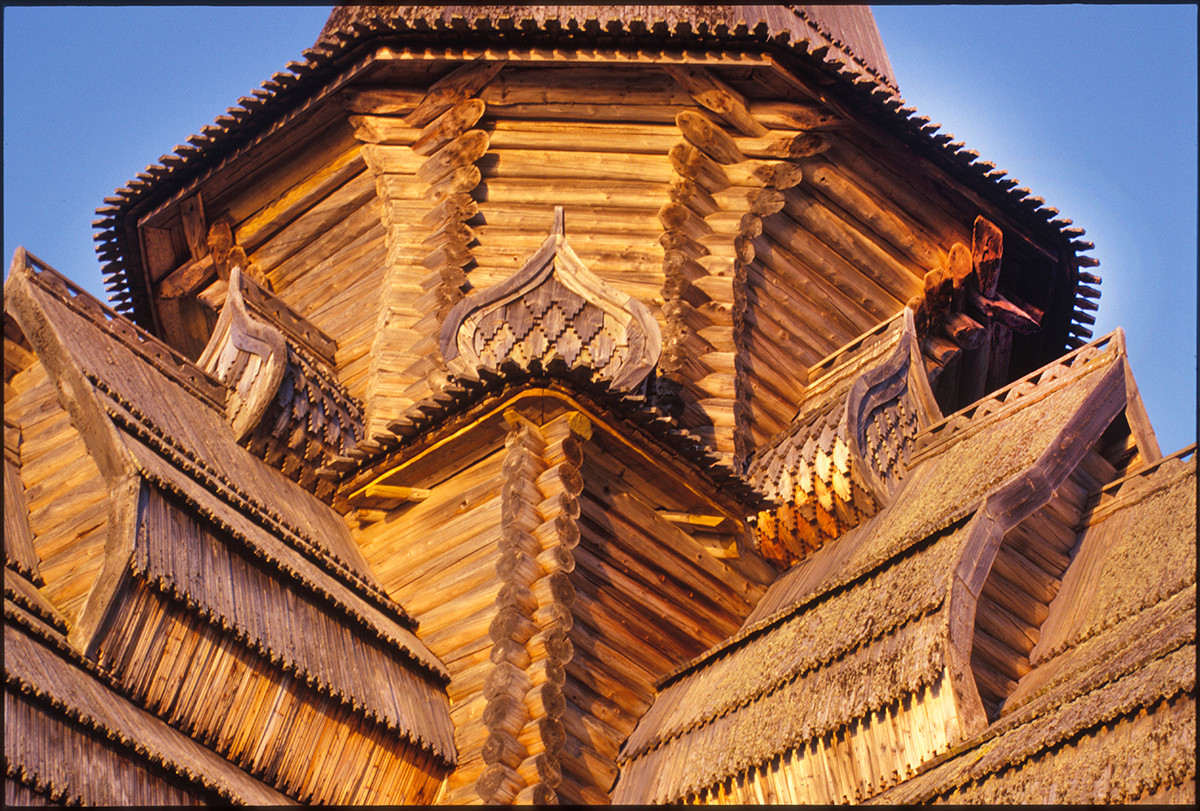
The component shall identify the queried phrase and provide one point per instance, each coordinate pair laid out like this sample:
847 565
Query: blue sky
1092 107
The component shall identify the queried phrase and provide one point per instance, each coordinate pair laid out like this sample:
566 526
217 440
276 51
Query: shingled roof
1108 653
69 731
219 529
868 621
849 31
842 46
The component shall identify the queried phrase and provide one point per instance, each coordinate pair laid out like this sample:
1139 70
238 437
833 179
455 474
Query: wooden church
587 404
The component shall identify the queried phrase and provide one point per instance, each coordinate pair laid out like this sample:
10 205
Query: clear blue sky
1092 107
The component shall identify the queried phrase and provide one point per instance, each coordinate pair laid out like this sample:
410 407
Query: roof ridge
162 356
1020 393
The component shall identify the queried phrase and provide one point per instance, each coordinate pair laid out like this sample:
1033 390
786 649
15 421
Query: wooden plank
195 227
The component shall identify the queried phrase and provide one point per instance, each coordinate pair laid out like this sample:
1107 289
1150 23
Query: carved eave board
553 307
248 356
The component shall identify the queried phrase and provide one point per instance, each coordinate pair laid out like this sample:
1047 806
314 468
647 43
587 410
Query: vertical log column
424 165
531 631
718 201
551 649
508 683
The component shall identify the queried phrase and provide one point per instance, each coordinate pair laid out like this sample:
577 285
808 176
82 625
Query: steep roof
218 527
53 692
867 619
1110 650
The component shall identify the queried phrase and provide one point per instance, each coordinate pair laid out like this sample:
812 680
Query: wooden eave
291 97
621 425
130 443
76 688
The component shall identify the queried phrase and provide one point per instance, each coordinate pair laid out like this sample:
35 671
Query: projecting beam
713 94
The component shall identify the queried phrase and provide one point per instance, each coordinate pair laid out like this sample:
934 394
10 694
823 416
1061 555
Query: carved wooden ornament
553 307
248 356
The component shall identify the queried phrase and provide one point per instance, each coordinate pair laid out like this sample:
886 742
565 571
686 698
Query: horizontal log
596 192
1005 627
465 149
691 163
691 194
1020 571
460 83
581 136
384 130
1004 661
604 84
381 99
795 116
857 248
798 313
448 126
801 258
887 223
715 95
709 138
592 164
285 208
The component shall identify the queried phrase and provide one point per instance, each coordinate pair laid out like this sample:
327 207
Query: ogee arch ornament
553 307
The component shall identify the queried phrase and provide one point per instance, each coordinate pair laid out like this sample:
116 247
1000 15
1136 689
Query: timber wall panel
65 494
452 538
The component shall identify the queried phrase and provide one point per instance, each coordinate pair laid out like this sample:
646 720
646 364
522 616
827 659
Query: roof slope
850 31
867 620
50 690
215 517
1111 699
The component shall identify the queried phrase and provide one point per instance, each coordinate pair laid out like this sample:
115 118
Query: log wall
648 598
327 262
763 235
451 539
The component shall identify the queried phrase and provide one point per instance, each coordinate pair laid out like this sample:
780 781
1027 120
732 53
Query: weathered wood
716 96
465 149
459 84
886 222
987 249
691 163
1004 311
708 137
195 227
856 247
381 99
964 330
